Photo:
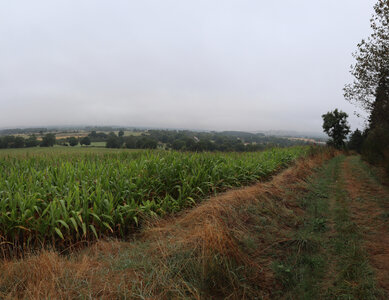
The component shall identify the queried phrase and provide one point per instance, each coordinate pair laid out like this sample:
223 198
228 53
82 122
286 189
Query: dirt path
369 210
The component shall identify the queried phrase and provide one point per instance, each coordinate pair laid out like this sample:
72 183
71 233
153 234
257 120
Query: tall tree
371 69
356 141
370 88
336 126
379 116
48 140
32 141
85 141
113 141
73 141
19 142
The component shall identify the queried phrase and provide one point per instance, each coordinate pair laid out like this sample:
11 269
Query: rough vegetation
67 197
222 248
317 230
370 89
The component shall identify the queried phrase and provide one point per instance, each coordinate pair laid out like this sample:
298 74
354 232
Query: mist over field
217 65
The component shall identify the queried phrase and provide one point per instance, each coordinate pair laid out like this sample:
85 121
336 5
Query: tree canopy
370 88
336 126
372 60
48 140
356 141
73 141
85 141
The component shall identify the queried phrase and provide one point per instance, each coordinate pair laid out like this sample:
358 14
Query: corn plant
62 198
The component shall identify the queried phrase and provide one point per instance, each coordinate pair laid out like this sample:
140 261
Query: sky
197 64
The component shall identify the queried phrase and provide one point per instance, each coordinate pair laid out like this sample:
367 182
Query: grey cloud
245 65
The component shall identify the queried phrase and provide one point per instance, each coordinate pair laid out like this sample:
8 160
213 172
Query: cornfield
61 198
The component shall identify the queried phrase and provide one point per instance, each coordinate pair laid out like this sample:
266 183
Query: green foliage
336 126
19 142
376 146
10 141
73 141
32 141
85 141
73 196
185 140
97 136
113 141
48 140
372 60
146 142
370 88
356 141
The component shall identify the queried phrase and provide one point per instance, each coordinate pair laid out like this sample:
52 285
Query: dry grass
220 249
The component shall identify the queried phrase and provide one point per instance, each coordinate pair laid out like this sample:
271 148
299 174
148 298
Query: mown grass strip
354 277
325 259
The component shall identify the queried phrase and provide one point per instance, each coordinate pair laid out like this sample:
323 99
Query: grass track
330 256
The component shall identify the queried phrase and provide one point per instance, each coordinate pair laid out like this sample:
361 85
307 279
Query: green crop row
63 198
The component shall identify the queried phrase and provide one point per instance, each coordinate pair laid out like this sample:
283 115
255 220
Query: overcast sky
197 64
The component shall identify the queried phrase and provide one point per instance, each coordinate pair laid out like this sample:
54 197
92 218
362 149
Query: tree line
10 141
182 140
48 140
370 89
185 140
370 92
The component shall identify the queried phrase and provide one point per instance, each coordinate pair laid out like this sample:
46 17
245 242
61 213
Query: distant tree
121 133
19 142
2 143
146 142
130 142
189 143
178 144
73 141
85 141
32 141
113 141
9 141
164 138
356 141
240 147
336 126
48 140
93 134
97 136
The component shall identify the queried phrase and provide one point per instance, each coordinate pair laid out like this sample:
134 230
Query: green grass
59 150
97 144
65 195
326 259
93 144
